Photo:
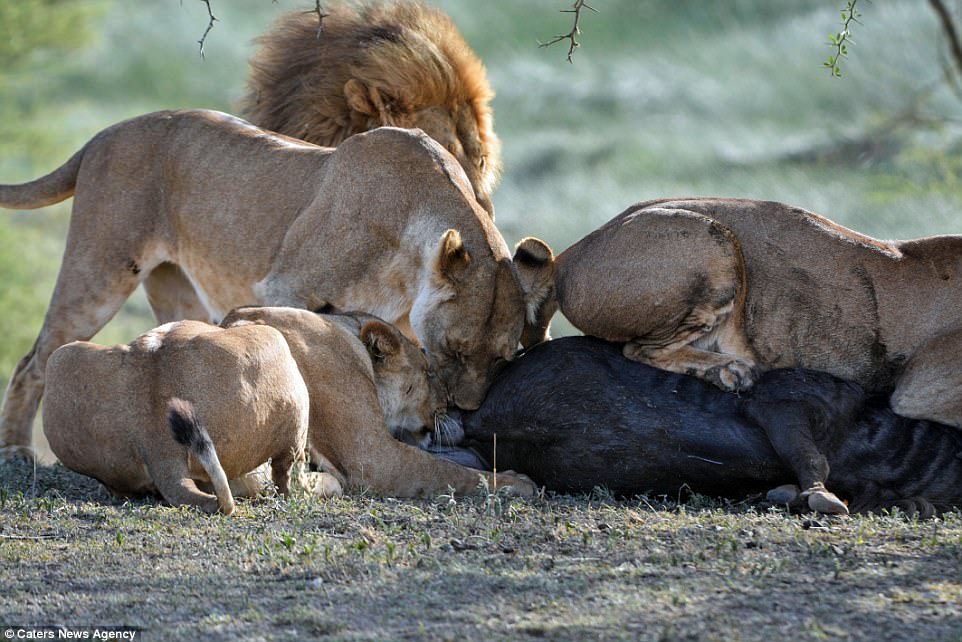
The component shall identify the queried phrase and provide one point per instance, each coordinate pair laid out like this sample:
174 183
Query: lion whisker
447 430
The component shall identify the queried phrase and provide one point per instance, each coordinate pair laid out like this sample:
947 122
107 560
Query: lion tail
188 431
56 186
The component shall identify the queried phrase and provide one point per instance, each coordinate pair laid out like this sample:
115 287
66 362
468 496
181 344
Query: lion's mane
409 55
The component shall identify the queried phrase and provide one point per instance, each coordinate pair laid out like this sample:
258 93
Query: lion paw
735 376
517 484
320 484
15 453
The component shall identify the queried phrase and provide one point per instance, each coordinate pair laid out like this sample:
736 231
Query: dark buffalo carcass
574 414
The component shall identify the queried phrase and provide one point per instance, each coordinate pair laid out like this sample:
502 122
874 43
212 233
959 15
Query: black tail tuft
185 426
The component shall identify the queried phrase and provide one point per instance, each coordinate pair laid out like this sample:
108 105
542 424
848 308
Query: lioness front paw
15 453
735 376
320 484
517 484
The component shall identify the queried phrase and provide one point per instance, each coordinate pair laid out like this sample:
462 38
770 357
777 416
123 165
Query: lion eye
482 163
410 389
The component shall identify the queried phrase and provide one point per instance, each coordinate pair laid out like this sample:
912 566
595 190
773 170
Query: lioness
386 223
397 63
718 288
233 398
358 398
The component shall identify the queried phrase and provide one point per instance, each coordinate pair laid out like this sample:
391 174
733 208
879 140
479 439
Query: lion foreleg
371 458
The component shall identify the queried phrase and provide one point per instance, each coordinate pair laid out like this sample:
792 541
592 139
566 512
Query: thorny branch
839 40
210 25
318 9
320 17
575 29
948 26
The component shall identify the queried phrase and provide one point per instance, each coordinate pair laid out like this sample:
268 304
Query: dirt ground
478 568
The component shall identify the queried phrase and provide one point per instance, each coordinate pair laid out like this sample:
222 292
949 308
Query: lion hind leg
320 484
167 466
171 295
694 348
184 492
281 467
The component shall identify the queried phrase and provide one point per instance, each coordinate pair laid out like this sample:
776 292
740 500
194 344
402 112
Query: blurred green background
665 98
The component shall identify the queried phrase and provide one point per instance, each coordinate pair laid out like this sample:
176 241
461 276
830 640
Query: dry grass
482 568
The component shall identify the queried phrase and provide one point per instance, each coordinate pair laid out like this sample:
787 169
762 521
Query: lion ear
380 340
366 100
357 97
453 258
534 261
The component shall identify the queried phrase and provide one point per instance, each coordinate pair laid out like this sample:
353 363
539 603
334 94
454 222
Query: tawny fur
233 215
105 411
396 63
712 287
267 385
188 430
364 378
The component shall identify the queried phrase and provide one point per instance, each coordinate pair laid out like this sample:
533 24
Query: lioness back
817 295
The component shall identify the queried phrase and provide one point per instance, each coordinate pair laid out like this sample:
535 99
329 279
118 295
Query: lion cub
189 402
184 403
366 382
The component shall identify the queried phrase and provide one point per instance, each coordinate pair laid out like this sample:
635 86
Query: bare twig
842 39
948 27
575 29
210 25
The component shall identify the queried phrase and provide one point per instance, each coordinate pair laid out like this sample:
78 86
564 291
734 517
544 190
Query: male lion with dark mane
380 63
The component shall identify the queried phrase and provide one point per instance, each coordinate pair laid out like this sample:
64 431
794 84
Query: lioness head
411 395
470 331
